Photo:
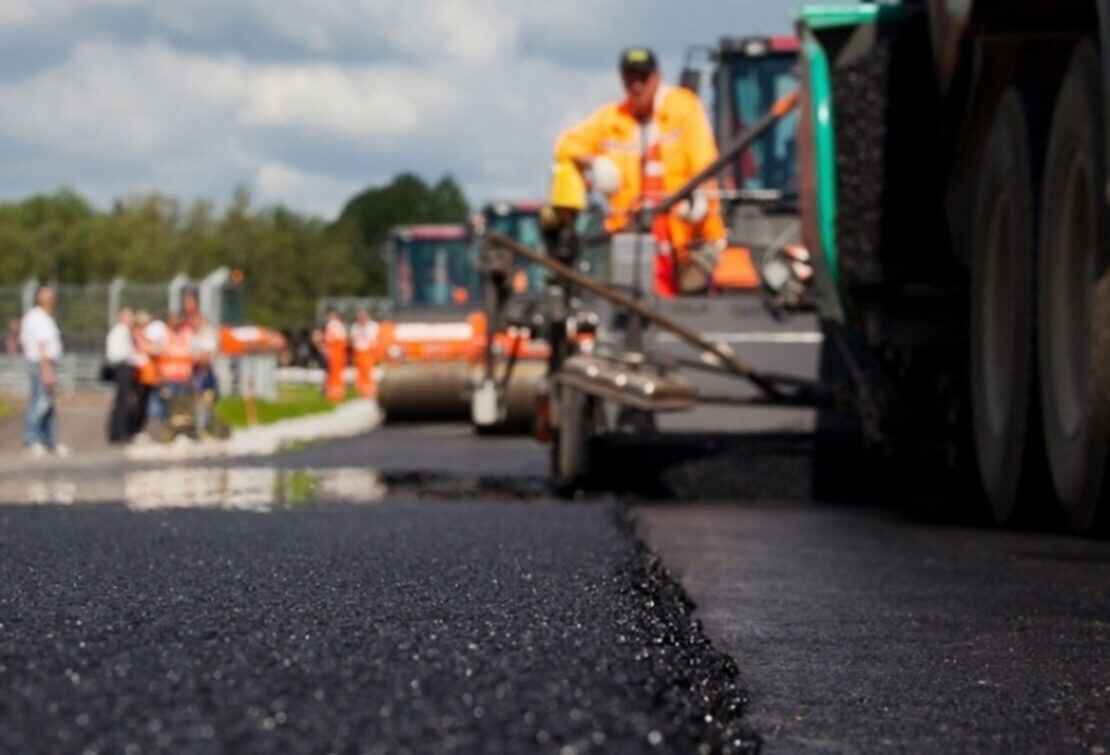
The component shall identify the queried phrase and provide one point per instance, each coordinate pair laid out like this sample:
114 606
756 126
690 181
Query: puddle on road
233 488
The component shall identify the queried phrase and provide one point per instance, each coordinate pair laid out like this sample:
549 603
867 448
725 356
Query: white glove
607 177
695 210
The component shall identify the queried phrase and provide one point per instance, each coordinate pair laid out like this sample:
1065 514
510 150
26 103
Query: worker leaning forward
335 346
640 150
364 341
175 368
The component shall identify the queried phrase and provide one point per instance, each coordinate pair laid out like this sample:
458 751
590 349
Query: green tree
288 261
368 217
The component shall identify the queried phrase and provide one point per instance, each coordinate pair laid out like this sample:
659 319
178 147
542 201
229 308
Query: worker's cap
638 60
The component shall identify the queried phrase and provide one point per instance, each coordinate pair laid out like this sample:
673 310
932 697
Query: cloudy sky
306 102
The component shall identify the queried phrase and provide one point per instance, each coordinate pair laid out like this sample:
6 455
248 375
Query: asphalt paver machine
621 355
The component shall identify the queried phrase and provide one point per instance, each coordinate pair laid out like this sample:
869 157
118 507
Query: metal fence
85 313
348 306
11 303
76 372
147 297
82 316
248 375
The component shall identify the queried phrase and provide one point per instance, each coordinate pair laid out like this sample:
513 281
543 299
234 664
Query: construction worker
146 374
154 335
641 149
335 345
205 344
175 369
364 341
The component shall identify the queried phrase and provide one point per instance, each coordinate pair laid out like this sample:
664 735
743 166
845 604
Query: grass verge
292 401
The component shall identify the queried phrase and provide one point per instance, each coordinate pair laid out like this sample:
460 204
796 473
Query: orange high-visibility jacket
685 146
175 363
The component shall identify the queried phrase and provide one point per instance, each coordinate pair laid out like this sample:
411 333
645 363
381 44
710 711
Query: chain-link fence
82 316
348 306
11 309
85 313
153 298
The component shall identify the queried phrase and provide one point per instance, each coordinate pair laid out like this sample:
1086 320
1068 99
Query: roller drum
425 392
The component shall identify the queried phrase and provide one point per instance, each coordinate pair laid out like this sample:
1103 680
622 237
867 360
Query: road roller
433 338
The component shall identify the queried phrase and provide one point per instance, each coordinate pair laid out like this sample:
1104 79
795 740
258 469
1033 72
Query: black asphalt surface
860 629
530 624
401 626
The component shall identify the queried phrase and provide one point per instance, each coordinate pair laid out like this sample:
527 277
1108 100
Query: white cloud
22 13
307 102
315 193
322 97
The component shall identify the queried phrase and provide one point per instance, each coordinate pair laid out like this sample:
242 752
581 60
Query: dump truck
953 184
431 341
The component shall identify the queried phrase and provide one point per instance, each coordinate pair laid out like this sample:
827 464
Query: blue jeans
40 426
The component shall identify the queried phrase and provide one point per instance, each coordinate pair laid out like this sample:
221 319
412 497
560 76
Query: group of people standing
361 341
153 361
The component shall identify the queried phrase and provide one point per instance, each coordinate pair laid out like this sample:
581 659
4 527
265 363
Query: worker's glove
693 210
606 175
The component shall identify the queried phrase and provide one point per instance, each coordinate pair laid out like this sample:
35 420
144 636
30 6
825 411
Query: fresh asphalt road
877 624
417 589
390 625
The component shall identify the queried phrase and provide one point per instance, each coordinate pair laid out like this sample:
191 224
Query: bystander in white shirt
39 336
119 346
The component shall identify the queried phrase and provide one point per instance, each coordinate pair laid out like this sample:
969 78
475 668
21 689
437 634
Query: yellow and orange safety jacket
679 144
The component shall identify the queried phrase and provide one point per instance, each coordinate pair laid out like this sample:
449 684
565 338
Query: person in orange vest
364 340
335 344
640 150
175 364
146 372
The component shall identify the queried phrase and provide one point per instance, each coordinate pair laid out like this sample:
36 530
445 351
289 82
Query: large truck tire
1005 420
1073 325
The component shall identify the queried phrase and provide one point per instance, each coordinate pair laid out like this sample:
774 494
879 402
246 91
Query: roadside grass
292 401
5 409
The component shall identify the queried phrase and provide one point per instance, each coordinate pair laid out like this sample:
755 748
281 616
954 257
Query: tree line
288 260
